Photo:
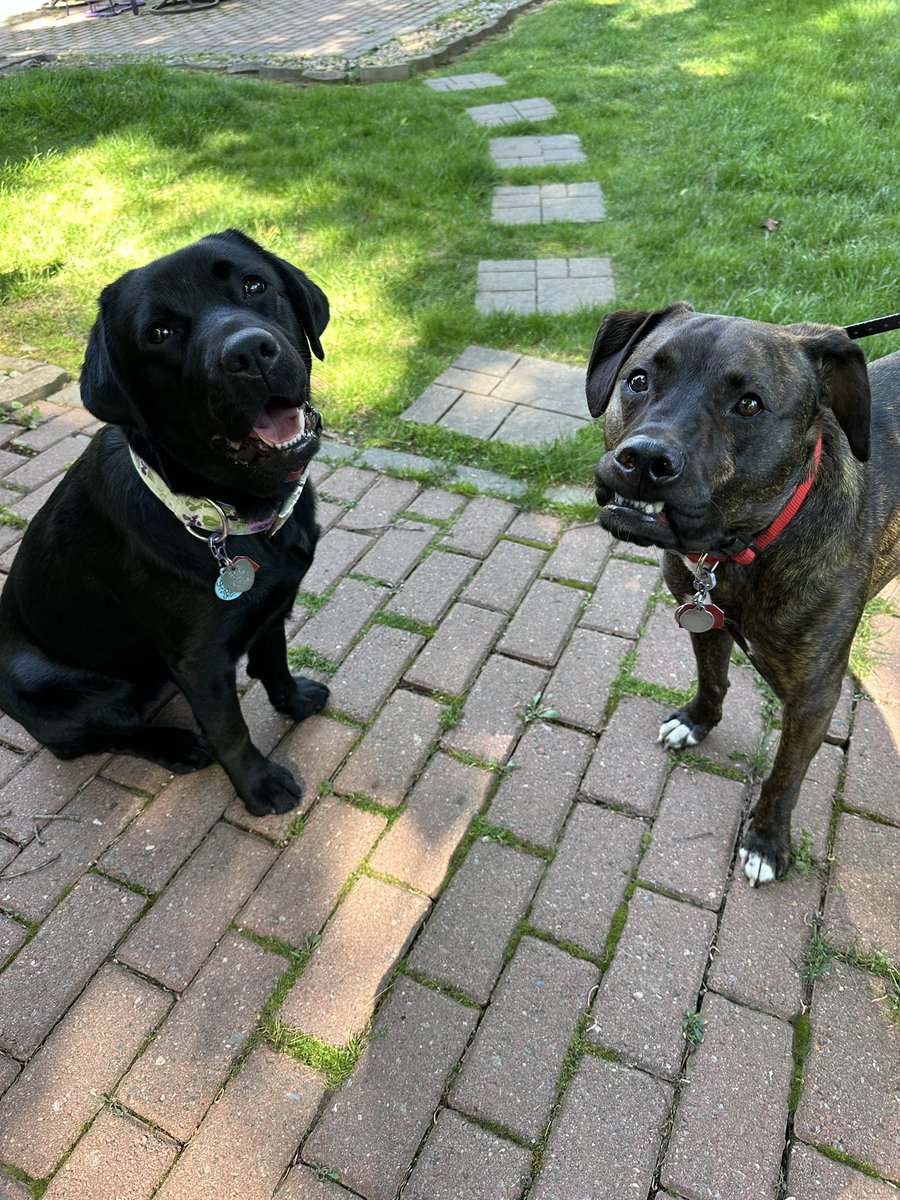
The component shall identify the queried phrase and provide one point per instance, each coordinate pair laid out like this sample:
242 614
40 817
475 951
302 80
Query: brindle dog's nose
645 460
249 352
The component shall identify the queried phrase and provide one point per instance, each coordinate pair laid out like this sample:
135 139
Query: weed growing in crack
693 1027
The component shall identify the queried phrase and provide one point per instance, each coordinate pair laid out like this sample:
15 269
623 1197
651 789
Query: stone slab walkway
536 151
549 285
539 203
464 83
512 112
571 993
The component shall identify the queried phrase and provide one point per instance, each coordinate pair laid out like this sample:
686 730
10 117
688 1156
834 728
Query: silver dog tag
235 578
699 618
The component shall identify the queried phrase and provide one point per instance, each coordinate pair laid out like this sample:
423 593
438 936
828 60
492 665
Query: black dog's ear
102 393
845 381
307 299
617 336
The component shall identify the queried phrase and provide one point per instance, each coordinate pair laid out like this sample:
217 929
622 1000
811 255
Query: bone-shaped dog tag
698 618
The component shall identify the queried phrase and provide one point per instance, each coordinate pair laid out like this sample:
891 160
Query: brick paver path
305 28
521 909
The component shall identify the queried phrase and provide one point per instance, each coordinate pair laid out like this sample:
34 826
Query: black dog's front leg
689 725
293 695
265 787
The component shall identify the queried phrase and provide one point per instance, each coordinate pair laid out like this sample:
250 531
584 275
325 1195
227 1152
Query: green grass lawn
700 119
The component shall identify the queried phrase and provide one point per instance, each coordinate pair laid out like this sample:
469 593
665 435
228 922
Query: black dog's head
207 354
711 421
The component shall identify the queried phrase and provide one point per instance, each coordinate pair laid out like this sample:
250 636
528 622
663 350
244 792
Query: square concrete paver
551 285
512 112
537 204
537 151
461 83
506 397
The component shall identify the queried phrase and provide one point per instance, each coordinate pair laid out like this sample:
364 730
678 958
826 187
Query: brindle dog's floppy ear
307 299
845 381
102 392
617 336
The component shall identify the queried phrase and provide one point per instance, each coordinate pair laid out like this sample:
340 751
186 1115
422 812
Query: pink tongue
278 424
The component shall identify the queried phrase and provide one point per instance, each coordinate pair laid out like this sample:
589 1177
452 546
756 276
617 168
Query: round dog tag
222 589
235 578
696 618
240 575
693 618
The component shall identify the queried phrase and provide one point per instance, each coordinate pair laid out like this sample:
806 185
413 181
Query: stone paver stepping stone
501 396
512 112
459 83
537 151
548 285
536 204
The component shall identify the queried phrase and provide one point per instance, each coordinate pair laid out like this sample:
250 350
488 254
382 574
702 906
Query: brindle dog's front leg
766 848
690 725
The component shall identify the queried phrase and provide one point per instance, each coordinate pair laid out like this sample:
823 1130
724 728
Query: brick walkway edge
501 951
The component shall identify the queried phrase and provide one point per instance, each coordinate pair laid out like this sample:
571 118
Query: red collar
749 553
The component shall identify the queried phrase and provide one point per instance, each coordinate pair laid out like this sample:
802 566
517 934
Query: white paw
675 735
757 869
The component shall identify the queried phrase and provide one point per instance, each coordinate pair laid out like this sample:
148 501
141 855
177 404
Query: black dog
177 541
744 449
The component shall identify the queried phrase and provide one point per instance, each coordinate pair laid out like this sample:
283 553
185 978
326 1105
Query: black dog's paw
305 698
274 791
680 730
763 859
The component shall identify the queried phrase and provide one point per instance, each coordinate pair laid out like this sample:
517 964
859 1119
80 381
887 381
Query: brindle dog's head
206 353
712 421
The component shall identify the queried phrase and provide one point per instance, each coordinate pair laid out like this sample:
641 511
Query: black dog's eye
159 333
253 285
748 406
638 381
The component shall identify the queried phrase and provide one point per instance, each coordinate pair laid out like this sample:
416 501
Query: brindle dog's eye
159 333
638 381
253 285
748 406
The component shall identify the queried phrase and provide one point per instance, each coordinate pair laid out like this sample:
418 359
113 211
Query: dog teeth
649 507
293 442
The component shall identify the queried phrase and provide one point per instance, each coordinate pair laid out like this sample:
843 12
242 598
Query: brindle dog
714 426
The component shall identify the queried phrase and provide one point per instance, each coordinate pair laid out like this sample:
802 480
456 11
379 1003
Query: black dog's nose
249 352
644 459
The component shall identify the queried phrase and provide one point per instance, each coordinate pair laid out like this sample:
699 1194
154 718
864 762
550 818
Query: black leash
878 325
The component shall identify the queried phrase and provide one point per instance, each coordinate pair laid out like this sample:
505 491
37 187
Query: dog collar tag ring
699 618
699 615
